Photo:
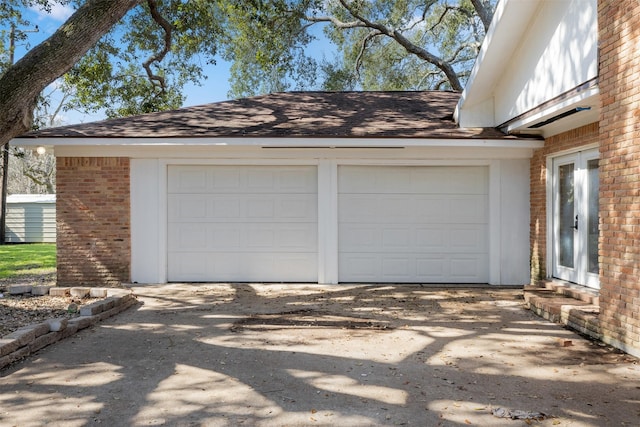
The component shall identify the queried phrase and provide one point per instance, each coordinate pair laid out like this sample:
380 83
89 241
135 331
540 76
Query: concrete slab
300 355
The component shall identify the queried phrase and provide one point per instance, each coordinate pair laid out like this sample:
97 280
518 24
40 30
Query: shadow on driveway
305 355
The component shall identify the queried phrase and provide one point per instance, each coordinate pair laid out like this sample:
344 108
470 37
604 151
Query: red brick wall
93 216
619 36
538 234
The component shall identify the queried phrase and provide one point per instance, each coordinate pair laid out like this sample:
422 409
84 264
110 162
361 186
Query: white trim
233 154
326 228
589 95
579 158
314 143
495 237
549 200
550 176
163 220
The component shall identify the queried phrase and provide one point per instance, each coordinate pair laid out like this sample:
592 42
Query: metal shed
31 218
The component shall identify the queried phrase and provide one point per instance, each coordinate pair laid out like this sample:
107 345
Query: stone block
40 328
83 321
20 289
23 336
14 357
91 309
59 292
40 290
78 292
71 329
57 325
109 303
44 340
118 292
8 345
98 292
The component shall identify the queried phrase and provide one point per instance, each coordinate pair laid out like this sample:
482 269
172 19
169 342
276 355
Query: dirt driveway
308 355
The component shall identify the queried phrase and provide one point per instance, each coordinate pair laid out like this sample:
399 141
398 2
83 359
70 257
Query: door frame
580 154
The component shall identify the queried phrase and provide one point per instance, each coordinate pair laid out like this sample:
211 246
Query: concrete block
84 321
40 290
40 328
109 303
98 292
57 325
78 292
71 329
118 292
44 340
20 289
91 309
59 292
8 345
23 336
14 357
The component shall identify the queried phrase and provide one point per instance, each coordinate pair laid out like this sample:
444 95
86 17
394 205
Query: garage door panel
432 269
466 268
242 223
241 179
433 209
413 224
469 239
471 209
360 267
431 239
255 237
241 208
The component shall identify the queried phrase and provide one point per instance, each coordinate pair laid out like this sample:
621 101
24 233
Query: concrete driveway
308 355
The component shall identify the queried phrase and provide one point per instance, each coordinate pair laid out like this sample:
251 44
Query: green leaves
380 45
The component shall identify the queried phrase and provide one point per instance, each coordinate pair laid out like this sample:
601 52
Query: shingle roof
294 114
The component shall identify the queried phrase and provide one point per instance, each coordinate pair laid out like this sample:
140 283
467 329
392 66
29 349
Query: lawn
27 259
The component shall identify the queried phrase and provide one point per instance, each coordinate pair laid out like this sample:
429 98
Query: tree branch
363 47
445 67
21 84
335 21
158 56
483 9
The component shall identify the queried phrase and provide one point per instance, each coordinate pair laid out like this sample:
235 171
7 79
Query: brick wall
93 221
572 139
619 34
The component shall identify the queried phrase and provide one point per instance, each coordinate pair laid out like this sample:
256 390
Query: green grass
27 259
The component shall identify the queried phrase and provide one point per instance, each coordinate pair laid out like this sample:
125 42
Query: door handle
575 224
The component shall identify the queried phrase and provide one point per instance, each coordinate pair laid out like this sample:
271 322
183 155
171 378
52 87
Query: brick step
574 308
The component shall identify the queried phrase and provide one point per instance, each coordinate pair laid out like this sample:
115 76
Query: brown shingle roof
295 114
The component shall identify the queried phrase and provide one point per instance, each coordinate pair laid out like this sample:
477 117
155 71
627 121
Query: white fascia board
291 143
588 97
510 22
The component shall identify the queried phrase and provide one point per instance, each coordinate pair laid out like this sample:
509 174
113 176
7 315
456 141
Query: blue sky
215 88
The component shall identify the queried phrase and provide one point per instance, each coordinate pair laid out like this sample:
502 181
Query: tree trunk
21 84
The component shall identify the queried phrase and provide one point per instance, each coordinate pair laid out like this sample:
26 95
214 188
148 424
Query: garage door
242 223
413 224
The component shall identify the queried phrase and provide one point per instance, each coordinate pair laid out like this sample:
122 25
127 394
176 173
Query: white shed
31 218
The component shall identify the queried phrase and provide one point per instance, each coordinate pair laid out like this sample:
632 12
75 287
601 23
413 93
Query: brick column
93 221
619 34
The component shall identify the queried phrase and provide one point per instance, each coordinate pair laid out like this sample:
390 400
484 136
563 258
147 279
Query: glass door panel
592 215
575 183
566 215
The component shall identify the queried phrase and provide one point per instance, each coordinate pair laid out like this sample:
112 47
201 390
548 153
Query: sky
214 89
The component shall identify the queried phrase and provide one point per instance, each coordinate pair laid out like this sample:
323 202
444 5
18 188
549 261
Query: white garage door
413 224
242 223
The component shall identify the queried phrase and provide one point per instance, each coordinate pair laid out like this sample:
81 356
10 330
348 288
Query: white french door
575 218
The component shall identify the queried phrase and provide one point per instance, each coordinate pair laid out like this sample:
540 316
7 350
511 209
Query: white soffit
500 42
585 104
